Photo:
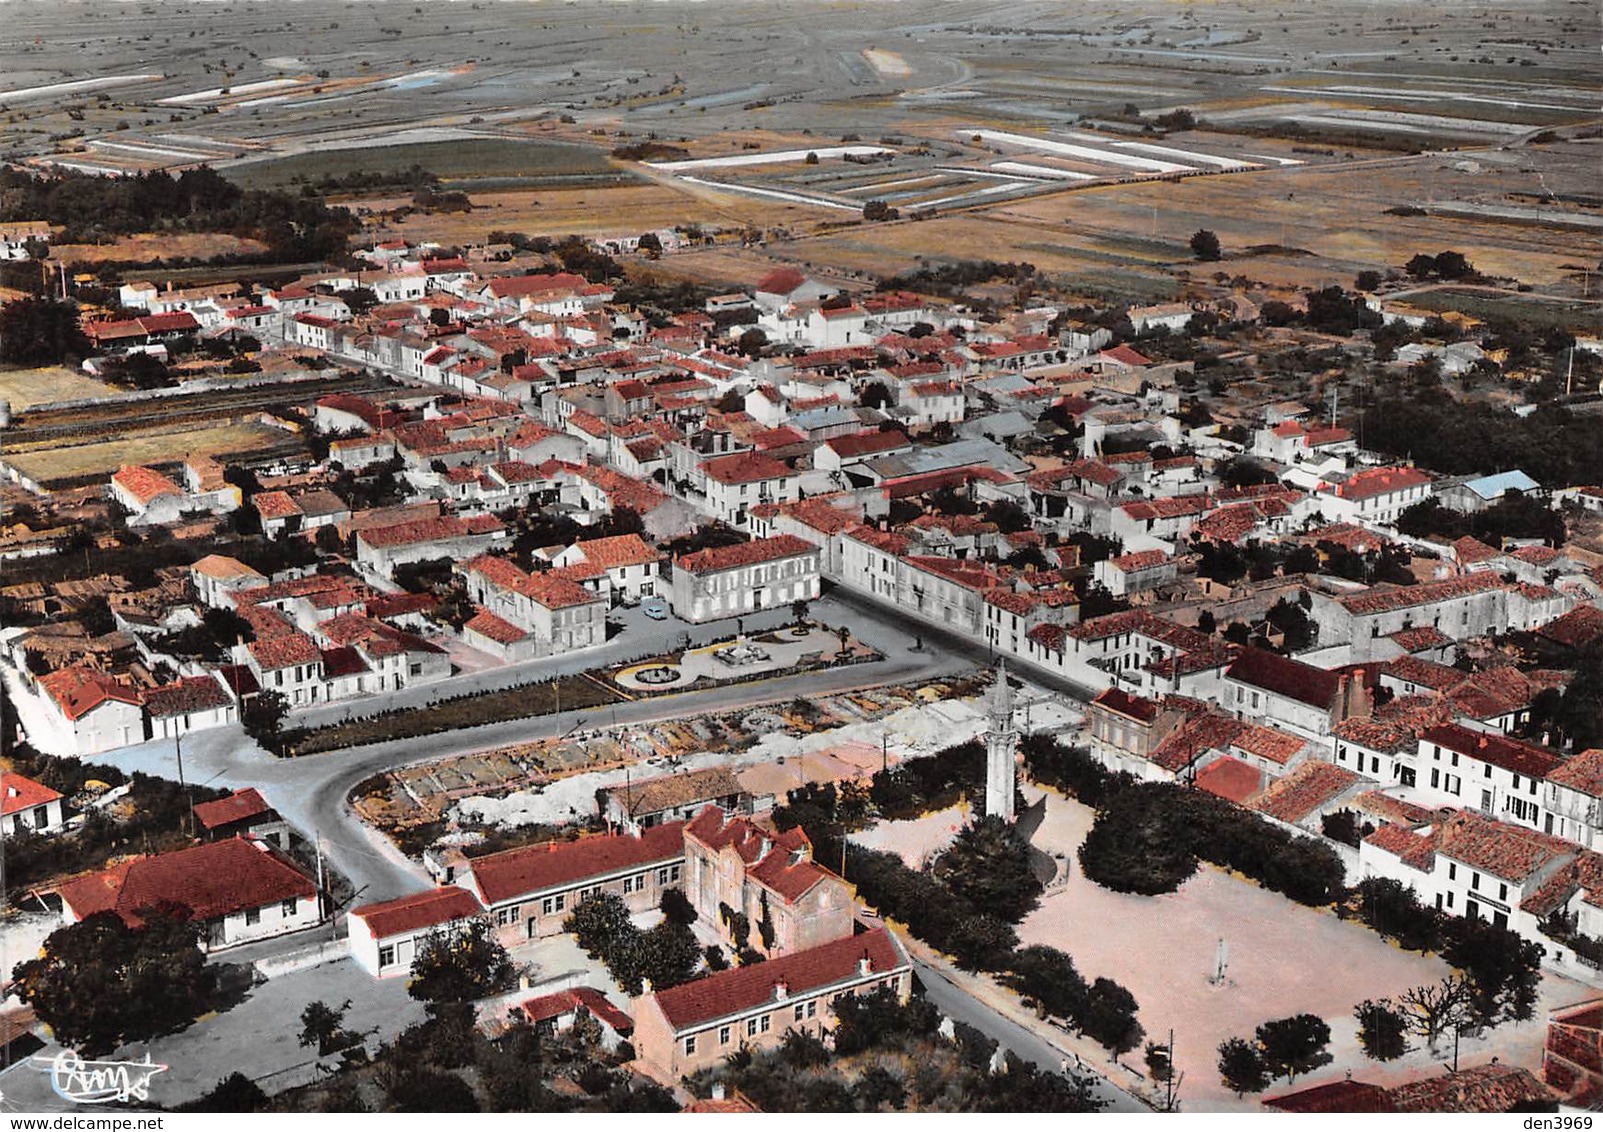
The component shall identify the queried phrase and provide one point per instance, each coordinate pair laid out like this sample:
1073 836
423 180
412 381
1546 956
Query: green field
503 159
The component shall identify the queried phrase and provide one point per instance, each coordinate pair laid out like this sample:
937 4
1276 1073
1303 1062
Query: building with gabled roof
235 890
385 937
554 612
27 806
529 891
790 901
697 1024
1265 687
551 1014
637 805
93 712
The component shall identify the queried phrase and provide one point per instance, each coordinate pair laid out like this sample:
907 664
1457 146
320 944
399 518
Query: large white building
729 581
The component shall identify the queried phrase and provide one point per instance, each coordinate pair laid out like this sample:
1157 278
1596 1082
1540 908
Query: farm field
25 388
57 463
146 248
451 161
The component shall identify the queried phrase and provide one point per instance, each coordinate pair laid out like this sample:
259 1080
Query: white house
385 937
27 806
236 891
728 581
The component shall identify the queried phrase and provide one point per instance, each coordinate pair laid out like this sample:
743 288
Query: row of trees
966 903
1284 1047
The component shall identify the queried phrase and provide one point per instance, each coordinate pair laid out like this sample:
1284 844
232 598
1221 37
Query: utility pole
317 840
178 750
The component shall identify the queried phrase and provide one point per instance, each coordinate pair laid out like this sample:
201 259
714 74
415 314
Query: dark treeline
92 208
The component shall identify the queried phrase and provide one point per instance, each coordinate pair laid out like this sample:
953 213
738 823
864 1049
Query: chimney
645 987
718 1093
781 991
865 965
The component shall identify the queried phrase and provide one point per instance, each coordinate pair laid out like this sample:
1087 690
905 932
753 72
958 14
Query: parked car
655 608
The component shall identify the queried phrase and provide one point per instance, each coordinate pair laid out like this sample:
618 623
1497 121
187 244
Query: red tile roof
780 862
1231 779
781 281
241 805
1283 676
740 989
1414 848
562 1002
1313 784
1133 707
1269 744
617 552
18 793
420 911
211 880
187 694
745 467
422 531
750 553
497 629
1380 481
144 484
866 443
1499 750
514 873
1508 852
1408 597
79 691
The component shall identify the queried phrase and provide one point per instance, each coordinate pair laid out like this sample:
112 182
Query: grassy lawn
449 160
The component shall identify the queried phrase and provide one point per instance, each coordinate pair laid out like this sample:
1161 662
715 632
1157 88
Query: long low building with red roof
697 1024
529 891
236 891
748 577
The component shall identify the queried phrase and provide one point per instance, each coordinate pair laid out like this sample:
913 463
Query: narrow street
963 1007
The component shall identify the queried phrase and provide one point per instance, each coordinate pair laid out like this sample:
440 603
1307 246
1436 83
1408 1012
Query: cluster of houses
1021 481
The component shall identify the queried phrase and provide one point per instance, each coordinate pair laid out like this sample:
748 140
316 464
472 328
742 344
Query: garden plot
1126 162
781 157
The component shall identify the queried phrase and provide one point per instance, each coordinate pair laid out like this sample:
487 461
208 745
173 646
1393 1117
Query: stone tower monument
1001 776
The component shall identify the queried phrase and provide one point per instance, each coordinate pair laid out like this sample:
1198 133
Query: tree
1502 969
598 922
1049 977
1294 1045
1109 1017
844 635
798 611
1205 245
99 983
1431 1011
360 300
1367 280
323 1026
1241 1067
751 342
810 159
40 331
982 942
675 908
458 966
879 210
234 1093
668 955
987 866
1382 1029
876 395
263 717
